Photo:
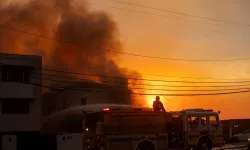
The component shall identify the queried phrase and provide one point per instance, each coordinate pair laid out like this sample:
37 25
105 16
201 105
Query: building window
15 105
15 74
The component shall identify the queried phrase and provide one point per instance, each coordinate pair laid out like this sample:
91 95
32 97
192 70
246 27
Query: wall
70 141
22 122
243 125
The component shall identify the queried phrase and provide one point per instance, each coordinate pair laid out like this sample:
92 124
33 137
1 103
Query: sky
178 36
170 35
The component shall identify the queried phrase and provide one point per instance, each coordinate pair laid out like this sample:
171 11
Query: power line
125 53
203 78
105 76
138 79
74 82
161 75
187 95
154 14
179 59
128 84
156 85
149 85
164 16
190 95
183 14
26 32
89 81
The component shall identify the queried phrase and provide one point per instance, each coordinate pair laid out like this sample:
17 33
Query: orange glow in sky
169 35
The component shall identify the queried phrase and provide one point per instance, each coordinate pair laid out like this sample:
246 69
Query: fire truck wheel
204 144
145 145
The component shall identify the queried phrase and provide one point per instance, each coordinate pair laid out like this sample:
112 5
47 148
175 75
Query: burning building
82 94
70 37
20 97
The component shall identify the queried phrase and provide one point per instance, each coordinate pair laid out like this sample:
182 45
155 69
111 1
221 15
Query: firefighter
157 105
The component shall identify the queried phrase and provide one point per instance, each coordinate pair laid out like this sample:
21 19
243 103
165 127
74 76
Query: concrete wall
69 141
22 122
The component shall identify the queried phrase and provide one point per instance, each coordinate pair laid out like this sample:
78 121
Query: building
235 126
82 94
20 93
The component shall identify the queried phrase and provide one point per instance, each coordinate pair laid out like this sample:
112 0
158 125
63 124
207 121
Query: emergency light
111 109
106 109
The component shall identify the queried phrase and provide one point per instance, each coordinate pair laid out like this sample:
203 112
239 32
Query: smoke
85 38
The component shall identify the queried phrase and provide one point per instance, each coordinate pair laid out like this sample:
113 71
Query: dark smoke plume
84 38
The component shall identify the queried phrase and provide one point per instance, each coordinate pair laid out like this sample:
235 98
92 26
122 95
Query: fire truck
112 127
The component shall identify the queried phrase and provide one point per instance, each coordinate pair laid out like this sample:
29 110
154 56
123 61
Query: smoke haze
85 38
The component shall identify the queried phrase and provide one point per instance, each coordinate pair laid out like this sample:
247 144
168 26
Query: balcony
16 90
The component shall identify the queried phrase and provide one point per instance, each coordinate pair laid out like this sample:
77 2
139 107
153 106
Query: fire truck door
203 124
213 124
192 130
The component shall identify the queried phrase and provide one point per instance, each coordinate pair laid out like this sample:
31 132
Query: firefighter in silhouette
157 105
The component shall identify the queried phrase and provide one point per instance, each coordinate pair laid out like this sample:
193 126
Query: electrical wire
137 88
79 79
125 53
160 15
88 81
154 14
138 79
186 95
74 82
123 78
149 74
141 79
75 65
183 14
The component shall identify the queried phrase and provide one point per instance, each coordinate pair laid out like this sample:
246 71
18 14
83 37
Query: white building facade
20 92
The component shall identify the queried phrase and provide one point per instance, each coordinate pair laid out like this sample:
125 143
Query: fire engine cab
128 128
195 128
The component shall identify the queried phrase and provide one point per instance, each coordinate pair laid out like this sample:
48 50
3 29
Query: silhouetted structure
242 125
84 93
20 100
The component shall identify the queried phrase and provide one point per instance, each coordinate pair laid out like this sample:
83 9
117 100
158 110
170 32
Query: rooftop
19 55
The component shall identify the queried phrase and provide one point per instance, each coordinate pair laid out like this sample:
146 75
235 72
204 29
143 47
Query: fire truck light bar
111 109
106 109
